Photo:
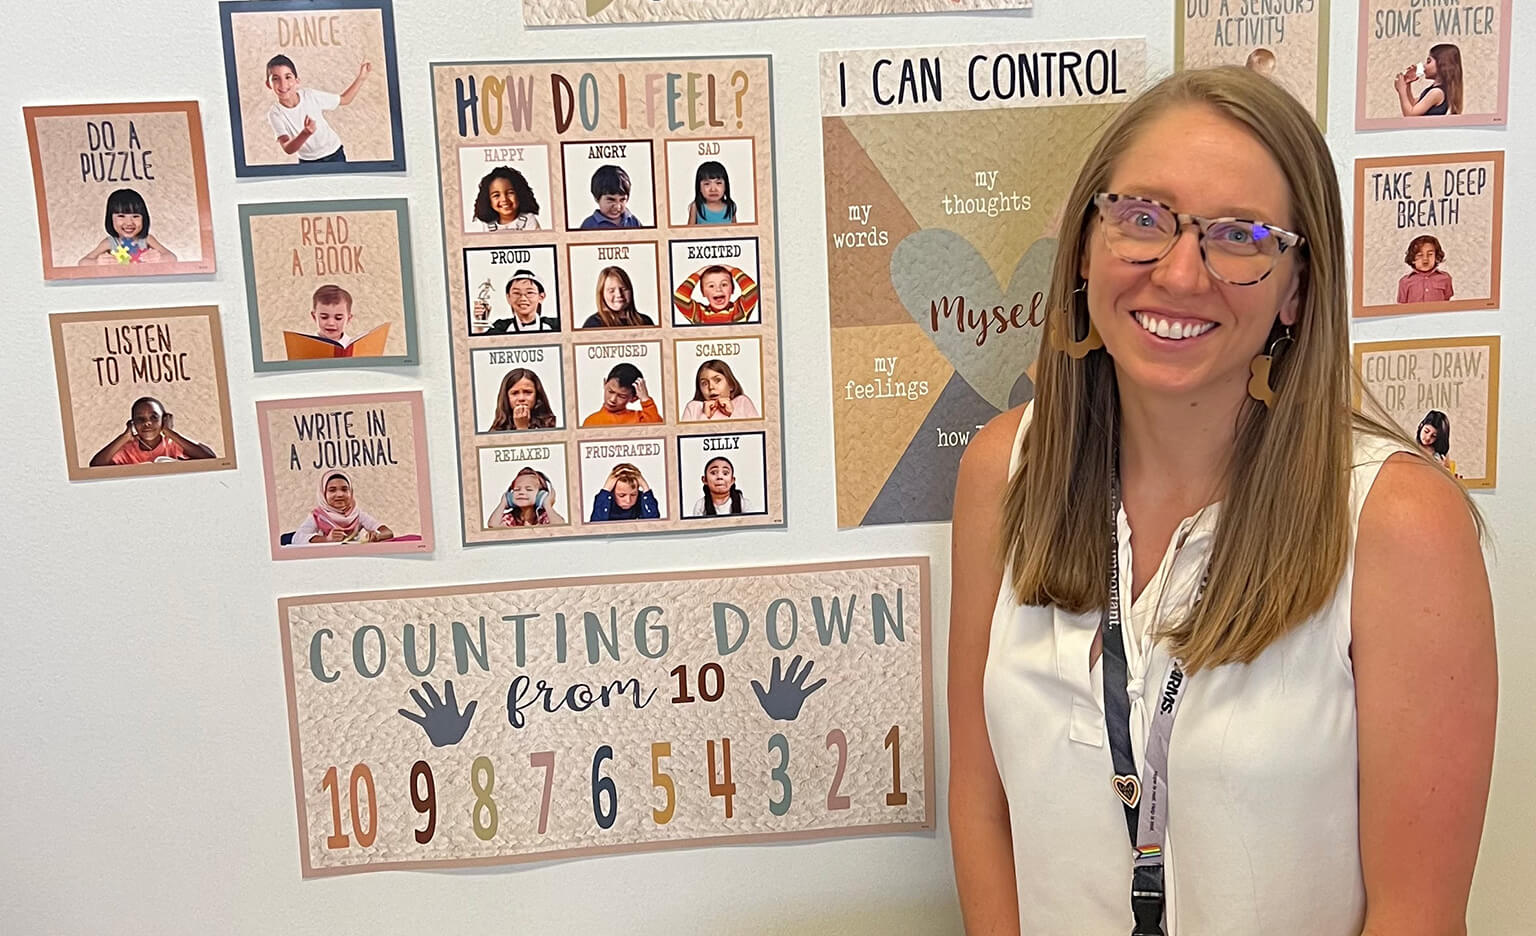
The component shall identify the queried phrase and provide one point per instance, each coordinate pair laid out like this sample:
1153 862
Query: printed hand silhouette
785 694
440 718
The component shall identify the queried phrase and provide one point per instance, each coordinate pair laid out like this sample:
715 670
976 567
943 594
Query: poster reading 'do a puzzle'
1433 63
1429 233
947 170
1285 42
491 724
1444 392
611 257
594 12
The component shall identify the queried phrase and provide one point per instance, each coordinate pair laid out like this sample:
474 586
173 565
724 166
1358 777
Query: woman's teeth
1176 331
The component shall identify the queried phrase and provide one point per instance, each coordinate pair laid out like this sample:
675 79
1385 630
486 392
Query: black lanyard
1147 832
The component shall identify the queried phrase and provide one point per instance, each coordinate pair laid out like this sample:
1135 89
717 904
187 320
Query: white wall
145 784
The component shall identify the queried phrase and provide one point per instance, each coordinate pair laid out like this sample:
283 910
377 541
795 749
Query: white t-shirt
698 506
289 122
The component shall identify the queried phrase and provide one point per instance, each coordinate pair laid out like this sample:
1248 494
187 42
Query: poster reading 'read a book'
610 249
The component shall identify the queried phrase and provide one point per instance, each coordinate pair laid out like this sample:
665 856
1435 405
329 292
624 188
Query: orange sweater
646 414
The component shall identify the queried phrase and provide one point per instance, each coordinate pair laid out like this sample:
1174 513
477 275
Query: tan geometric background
364 125
285 300
77 210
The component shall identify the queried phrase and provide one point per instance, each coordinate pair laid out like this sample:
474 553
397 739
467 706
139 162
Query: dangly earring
1066 329
1258 386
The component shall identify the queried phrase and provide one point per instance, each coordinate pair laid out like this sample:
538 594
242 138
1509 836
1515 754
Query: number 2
836 738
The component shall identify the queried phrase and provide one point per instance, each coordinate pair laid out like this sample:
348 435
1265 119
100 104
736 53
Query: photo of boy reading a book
331 310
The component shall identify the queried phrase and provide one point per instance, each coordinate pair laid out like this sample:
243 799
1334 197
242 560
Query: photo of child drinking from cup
337 518
128 239
149 436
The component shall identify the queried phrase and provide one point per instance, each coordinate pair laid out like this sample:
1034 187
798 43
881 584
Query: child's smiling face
503 199
338 494
147 424
713 190
719 477
525 490
332 319
1424 258
127 224
612 206
615 296
717 290
282 80
524 297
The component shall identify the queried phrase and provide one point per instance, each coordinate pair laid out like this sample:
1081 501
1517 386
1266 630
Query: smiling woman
1194 514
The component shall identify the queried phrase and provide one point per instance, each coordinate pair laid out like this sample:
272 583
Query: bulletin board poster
611 255
1285 42
940 242
142 392
596 12
516 722
1432 63
313 86
1443 392
122 189
346 475
1429 233
329 283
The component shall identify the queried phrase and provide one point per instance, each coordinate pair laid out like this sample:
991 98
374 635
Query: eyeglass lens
1143 231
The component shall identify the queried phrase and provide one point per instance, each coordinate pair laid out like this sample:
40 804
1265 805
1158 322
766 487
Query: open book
302 347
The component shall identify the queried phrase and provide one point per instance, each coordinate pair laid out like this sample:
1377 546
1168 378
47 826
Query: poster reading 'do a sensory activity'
491 724
941 233
610 250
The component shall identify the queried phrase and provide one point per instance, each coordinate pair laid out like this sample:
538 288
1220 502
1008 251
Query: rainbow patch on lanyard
1149 851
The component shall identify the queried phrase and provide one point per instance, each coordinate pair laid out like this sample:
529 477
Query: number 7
545 759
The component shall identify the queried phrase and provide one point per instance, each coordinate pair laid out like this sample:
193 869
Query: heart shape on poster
978 336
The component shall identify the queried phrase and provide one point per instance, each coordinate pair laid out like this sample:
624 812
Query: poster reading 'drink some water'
1433 63
1285 42
610 250
514 722
947 169
1444 392
580 12
1429 233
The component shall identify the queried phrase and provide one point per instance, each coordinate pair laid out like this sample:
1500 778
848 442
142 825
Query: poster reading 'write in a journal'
491 724
592 12
947 169
612 298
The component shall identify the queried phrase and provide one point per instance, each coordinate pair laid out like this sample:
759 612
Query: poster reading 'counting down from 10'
610 249
490 724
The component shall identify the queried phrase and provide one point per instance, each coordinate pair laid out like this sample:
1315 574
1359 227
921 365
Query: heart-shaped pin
1128 788
933 264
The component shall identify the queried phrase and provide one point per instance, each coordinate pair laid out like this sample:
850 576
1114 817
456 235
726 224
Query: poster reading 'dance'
329 283
1444 392
610 248
1429 233
313 86
941 234
346 475
492 724
142 391
593 12
1285 42
1432 63
122 189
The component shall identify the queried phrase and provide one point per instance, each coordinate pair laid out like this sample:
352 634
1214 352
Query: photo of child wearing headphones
529 501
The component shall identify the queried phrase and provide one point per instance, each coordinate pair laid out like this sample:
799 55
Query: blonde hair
1283 536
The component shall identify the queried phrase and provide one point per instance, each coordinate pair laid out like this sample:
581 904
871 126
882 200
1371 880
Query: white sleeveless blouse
1263 822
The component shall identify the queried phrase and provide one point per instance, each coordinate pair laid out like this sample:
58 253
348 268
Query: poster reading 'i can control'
610 249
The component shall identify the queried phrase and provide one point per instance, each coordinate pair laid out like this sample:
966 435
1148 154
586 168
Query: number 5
662 781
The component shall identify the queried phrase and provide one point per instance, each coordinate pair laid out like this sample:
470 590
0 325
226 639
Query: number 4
724 787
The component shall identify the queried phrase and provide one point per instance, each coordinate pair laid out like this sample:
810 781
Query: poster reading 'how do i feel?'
941 234
610 252
491 724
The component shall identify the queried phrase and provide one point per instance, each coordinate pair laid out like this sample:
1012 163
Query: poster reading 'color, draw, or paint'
490 724
610 249
947 170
